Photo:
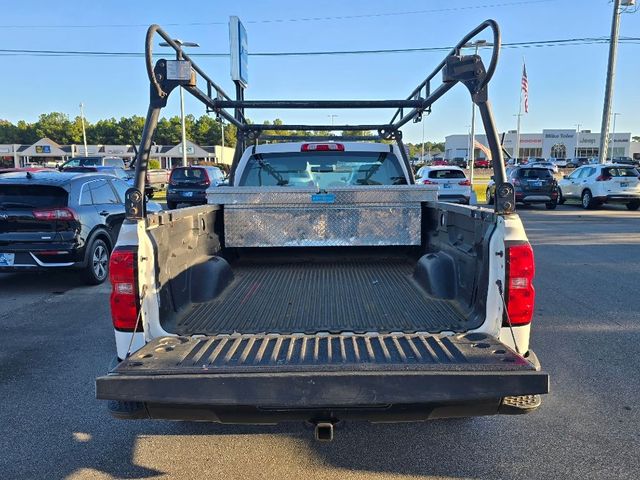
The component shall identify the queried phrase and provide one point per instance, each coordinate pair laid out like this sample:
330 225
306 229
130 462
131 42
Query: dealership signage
43 148
239 51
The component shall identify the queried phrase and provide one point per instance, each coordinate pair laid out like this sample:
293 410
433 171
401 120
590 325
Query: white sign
178 70
239 51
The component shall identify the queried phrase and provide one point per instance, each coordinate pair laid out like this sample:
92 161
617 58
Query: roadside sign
239 51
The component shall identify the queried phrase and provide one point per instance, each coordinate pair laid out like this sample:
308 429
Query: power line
290 20
530 44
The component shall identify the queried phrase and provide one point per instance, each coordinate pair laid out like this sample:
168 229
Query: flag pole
517 152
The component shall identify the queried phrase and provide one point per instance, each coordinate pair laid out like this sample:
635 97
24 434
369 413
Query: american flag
525 88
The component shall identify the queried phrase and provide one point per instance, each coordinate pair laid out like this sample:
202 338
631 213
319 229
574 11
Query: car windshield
32 196
442 174
620 172
534 173
322 169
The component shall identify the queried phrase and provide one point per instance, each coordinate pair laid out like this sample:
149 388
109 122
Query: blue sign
323 198
239 51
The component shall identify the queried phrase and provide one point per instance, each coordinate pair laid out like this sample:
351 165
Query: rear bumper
43 257
267 375
530 198
176 196
619 198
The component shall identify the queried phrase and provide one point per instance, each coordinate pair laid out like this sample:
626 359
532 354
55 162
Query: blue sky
566 83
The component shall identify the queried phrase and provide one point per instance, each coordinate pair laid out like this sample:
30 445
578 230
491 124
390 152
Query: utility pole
184 127
84 132
611 73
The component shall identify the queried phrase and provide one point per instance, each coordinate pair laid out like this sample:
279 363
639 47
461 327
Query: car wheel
97 269
489 197
561 198
551 205
587 200
150 194
633 205
171 205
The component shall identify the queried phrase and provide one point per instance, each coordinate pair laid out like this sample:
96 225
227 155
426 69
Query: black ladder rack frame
455 68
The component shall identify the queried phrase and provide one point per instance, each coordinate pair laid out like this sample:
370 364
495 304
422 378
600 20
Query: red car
439 162
481 163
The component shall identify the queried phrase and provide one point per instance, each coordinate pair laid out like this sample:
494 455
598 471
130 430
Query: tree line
204 130
57 126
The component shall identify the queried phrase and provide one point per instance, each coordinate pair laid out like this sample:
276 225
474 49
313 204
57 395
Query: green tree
129 130
26 133
103 132
54 125
9 132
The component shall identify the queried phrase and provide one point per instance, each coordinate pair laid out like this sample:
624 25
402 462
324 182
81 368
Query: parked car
532 184
532 160
626 161
550 165
578 162
459 162
594 185
190 185
439 162
156 180
60 220
481 163
118 172
560 162
96 161
453 184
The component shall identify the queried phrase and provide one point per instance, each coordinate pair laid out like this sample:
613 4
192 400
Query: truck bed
322 295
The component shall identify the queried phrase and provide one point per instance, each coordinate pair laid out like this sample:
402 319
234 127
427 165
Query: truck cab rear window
322 169
32 196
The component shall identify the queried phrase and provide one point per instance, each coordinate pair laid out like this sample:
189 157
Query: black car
190 185
51 220
532 185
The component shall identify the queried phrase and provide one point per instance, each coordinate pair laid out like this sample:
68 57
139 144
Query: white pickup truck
322 284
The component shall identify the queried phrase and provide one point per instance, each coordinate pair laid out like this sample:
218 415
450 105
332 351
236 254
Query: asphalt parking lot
57 337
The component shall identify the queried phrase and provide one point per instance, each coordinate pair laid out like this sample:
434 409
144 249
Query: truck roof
297 147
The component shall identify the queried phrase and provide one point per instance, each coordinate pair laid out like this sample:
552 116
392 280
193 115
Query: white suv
453 185
594 185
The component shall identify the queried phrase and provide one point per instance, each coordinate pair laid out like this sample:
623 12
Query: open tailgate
302 371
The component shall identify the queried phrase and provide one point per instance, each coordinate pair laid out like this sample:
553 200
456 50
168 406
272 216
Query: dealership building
46 152
549 143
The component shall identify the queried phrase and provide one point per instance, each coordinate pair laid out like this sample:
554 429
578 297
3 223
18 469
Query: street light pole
332 116
613 134
472 154
84 132
184 126
575 153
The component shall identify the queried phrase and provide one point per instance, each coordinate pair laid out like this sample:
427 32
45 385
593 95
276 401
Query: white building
549 143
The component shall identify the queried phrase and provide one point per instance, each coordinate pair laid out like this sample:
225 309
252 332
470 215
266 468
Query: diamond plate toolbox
303 217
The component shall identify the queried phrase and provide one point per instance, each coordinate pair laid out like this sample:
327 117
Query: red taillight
206 182
428 182
465 183
322 147
50 214
520 294
602 178
125 301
